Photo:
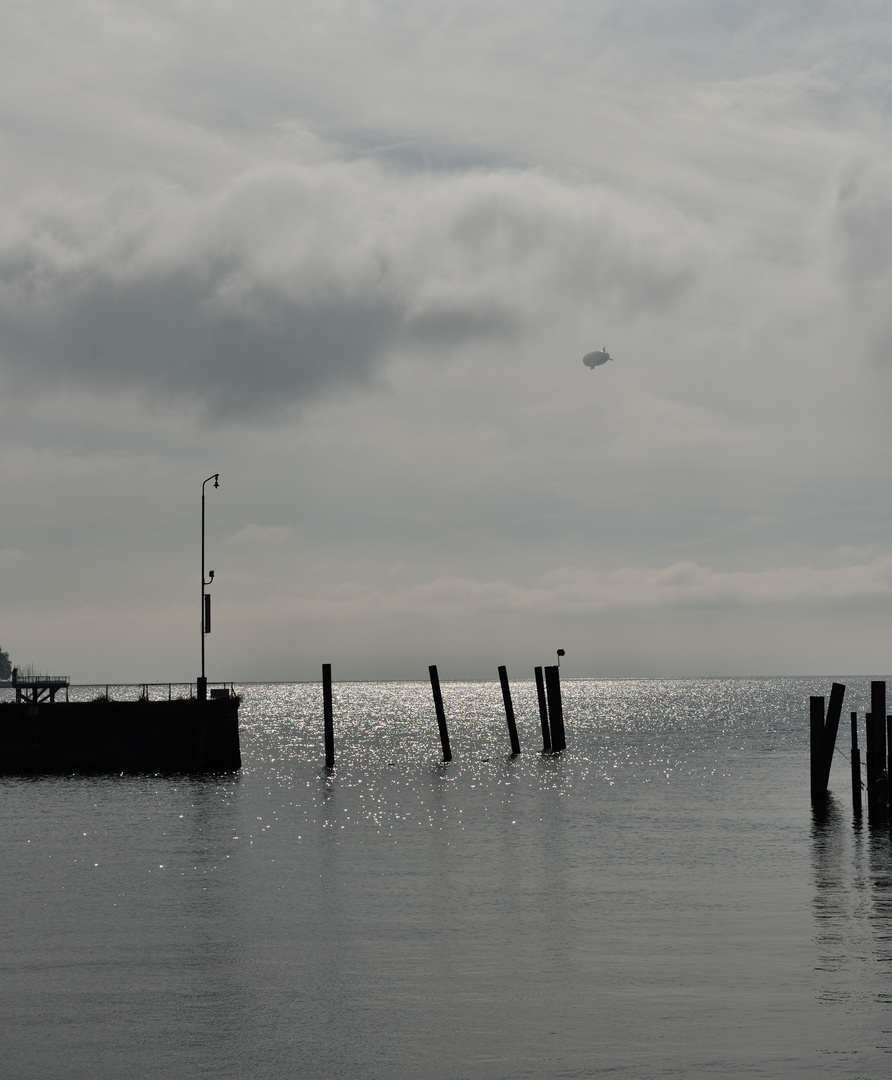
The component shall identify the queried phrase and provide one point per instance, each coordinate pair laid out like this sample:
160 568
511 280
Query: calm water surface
656 902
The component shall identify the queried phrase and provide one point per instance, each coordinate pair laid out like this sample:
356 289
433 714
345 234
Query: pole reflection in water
852 909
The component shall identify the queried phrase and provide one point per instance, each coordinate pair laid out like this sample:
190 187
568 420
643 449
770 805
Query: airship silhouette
596 359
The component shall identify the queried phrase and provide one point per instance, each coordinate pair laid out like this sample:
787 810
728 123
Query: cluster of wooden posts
551 711
877 744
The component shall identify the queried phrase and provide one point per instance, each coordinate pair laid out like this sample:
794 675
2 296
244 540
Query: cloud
860 237
575 592
261 536
291 280
685 584
287 207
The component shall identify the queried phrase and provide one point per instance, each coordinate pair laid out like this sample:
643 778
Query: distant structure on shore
596 359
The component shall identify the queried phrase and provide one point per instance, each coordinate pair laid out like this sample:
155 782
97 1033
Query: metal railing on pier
169 691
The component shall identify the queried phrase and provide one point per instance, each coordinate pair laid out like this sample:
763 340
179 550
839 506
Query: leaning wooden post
329 717
441 715
831 727
555 708
856 768
818 791
543 709
509 711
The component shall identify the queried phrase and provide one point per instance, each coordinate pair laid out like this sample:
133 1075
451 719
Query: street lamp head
216 479
561 652
211 574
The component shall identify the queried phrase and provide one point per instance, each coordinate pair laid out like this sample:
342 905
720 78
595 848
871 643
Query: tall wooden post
329 716
888 761
877 782
509 711
870 764
543 709
555 708
441 715
816 725
856 768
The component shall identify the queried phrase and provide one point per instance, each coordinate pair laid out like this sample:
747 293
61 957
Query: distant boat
596 359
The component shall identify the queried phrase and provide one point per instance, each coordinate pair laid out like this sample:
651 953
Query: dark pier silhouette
35 689
172 735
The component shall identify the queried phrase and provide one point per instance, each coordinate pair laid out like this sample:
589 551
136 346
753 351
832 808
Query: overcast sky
350 254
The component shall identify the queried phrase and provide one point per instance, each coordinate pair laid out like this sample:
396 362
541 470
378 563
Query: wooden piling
509 711
329 716
831 727
543 709
877 781
441 715
868 761
888 763
555 708
856 768
562 743
816 716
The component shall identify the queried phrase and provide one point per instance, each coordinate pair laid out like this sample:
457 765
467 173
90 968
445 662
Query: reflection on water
655 902
852 908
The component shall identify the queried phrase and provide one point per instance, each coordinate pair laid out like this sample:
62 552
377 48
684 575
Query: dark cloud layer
170 338
286 283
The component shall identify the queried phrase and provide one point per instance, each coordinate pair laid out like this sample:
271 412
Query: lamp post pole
205 621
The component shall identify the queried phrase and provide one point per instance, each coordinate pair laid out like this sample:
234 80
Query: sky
350 254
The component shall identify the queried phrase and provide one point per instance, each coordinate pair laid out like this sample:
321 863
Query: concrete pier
188 736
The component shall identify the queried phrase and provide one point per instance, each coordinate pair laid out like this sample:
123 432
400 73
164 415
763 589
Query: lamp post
560 653
205 605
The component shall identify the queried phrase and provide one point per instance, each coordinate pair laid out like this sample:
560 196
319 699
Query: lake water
657 901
